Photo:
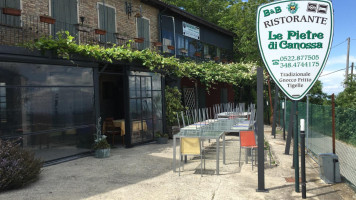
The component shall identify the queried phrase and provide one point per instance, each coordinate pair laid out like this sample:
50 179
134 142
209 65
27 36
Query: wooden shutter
66 14
111 25
107 22
143 28
8 19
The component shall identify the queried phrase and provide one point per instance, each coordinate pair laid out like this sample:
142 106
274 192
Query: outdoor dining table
210 129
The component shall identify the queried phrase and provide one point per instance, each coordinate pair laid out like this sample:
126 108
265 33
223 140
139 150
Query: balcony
21 29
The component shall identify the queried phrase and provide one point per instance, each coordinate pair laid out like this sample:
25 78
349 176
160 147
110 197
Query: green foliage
347 98
317 96
158 134
208 73
173 104
210 10
101 144
241 19
18 167
345 125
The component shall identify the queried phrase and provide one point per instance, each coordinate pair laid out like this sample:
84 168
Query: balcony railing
25 28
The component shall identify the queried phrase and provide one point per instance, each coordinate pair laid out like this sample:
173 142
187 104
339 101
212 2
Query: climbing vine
207 73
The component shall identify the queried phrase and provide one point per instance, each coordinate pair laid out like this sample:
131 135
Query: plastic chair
110 129
247 141
192 146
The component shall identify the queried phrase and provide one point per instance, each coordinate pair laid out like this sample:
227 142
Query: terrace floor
145 172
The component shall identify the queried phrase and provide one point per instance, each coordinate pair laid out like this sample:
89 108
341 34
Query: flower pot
47 19
102 153
207 57
182 50
139 40
197 54
170 47
216 58
157 44
100 31
11 11
162 140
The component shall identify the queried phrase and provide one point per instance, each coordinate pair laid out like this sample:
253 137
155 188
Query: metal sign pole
275 111
295 150
260 132
302 146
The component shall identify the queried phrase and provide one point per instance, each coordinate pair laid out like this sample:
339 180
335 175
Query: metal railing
319 133
26 28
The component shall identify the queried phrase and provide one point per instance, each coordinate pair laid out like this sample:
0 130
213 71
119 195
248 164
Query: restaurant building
53 104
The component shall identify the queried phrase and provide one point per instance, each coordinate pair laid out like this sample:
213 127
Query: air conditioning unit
329 168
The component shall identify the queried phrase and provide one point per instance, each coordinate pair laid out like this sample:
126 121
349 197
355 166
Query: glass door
145 95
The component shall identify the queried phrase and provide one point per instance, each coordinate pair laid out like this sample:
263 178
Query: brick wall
126 26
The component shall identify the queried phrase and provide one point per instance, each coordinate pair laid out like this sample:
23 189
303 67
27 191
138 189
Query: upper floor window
9 19
143 31
167 40
66 14
107 22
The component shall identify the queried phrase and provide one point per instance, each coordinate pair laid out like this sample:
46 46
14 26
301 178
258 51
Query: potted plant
100 31
139 39
47 19
170 47
11 11
101 145
183 50
162 138
197 54
157 44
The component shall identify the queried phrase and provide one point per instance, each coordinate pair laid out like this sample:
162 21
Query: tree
210 10
241 19
347 98
317 96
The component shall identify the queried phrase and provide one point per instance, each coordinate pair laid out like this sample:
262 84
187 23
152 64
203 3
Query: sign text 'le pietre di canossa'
294 38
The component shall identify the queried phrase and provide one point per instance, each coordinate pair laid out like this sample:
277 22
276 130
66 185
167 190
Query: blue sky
344 27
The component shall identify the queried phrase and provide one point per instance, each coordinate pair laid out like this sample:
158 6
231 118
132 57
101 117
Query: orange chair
110 129
247 141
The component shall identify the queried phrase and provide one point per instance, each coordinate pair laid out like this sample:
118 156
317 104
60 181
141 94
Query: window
143 31
107 22
206 51
218 54
9 19
66 14
167 40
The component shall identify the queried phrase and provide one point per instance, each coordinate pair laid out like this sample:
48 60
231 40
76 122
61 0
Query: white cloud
339 62
333 83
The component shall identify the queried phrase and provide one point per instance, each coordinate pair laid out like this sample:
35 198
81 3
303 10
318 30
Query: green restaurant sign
295 38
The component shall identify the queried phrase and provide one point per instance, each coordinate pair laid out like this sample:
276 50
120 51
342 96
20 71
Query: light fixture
82 19
129 11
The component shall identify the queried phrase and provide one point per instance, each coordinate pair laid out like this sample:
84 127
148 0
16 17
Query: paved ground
145 172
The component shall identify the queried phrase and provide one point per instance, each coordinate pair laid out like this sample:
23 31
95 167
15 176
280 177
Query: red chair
247 141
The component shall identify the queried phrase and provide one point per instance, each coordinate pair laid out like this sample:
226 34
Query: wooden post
333 120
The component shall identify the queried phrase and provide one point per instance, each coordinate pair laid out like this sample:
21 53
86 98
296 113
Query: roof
161 5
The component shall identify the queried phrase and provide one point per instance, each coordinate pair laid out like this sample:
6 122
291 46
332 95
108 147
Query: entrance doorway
112 104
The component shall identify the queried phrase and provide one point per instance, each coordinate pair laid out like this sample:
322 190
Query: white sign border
326 56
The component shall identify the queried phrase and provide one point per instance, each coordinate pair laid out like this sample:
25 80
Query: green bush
18 167
102 144
173 104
